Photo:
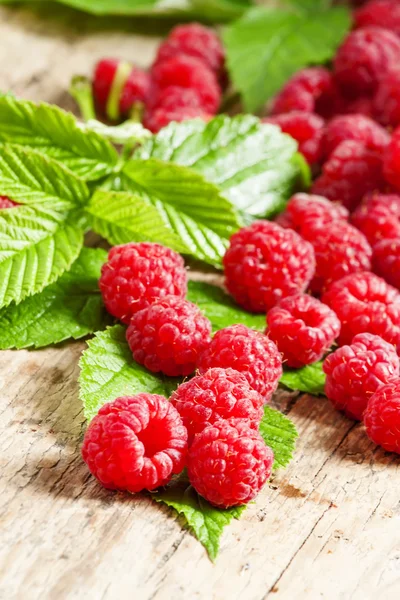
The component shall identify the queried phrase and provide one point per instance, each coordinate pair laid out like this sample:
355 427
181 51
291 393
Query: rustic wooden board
328 527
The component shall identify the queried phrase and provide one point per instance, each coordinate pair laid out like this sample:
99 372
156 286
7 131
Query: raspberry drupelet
306 128
307 209
135 443
382 417
228 463
356 371
354 127
303 329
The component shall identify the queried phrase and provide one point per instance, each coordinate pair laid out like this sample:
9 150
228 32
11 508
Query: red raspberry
137 274
306 128
378 217
186 72
354 127
135 443
175 98
264 263
249 352
135 92
382 13
364 58
386 261
303 329
168 336
196 41
6 202
351 172
354 372
386 102
365 303
310 90
391 162
229 463
340 249
362 105
157 119
218 394
382 417
306 209
103 78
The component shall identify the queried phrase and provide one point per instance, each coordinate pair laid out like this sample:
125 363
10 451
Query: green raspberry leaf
279 433
254 165
109 371
56 133
268 45
70 308
205 521
309 379
220 308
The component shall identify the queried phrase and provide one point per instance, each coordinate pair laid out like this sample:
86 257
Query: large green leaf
56 133
309 379
253 164
280 434
267 45
70 308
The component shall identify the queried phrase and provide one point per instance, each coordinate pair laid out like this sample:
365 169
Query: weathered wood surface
328 527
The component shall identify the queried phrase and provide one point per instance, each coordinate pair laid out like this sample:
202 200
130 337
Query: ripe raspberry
386 101
155 120
306 209
186 72
135 92
391 161
382 417
362 105
355 372
168 336
175 98
264 263
196 41
229 463
137 274
249 352
306 128
365 303
311 90
6 202
218 394
303 329
364 58
378 217
351 172
103 78
340 249
135 443
354 127
382 13
386 261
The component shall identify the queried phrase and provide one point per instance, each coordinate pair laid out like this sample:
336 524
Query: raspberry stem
121 77
81 90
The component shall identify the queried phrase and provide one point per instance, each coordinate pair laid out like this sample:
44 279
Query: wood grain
327 527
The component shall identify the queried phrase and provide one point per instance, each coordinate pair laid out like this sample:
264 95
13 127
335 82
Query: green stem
81 90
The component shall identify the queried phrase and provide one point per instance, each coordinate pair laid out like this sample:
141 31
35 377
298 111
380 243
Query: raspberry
135 443
218 394
186 72
354 372
303 329
249 352
365 303
351 172
382 13
378 217
386 101
161 117
386 261
196 41
306 128
340 249
354 127
391 162
362 105
364 58
137 274
229 463
103 78
306 209
382 417
310 90
134 92
6 202
168 336
264 263
175 98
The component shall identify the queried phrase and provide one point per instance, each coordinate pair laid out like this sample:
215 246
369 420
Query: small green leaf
70 308
283 41
309 379
206 522
109 371
56 133
279 433
219 307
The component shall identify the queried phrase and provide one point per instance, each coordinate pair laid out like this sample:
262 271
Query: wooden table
327 527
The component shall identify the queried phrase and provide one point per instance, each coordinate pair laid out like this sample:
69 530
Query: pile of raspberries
185 81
